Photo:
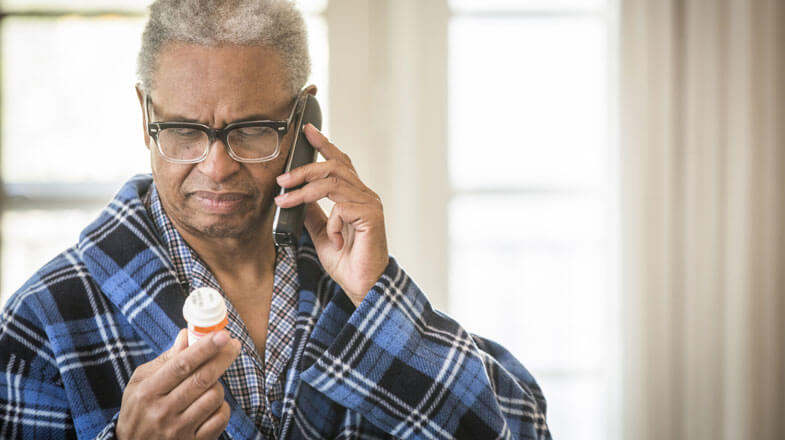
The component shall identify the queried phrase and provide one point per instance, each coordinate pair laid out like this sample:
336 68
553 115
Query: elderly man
328 340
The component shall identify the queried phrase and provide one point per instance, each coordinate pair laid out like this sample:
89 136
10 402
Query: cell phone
288 222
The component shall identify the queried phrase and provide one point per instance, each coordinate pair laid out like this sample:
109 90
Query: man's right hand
177 395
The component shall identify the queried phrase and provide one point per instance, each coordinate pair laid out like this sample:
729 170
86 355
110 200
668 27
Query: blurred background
599 185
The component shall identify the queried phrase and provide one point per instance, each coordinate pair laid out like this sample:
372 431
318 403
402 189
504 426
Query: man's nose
218 165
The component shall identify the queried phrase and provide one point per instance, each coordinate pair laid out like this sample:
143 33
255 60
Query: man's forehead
191 78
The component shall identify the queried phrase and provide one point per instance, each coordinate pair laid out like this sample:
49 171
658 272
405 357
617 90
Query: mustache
233 187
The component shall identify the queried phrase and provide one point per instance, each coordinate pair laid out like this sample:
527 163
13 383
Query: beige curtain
703 213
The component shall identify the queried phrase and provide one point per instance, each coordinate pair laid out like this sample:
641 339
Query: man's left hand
351 242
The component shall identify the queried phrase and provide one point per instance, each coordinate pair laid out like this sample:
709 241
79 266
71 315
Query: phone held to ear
288 222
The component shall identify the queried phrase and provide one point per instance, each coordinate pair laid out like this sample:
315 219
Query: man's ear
311 90
140 95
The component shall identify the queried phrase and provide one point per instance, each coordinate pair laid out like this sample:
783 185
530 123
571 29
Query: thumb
180 344
149 368
181 341
316 224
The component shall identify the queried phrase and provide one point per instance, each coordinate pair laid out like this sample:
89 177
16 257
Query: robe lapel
130 264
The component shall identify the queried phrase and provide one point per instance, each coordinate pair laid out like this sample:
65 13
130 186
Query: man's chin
228 229
222 231
246 226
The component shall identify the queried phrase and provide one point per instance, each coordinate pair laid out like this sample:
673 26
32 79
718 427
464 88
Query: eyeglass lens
245 142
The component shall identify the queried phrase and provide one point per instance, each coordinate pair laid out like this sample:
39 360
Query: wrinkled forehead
205 82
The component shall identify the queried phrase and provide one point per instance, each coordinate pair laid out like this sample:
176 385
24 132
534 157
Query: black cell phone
288 222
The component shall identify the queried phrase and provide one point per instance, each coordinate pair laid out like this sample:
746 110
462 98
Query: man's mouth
219 202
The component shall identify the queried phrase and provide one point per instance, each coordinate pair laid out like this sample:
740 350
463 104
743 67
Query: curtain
703 218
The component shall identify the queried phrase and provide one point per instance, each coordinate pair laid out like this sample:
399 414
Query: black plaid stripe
254 382
283 314
392 367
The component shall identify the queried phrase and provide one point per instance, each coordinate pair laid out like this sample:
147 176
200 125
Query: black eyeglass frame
280 127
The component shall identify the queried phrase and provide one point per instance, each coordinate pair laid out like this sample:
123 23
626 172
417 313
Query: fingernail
283 176
220 338
177 338
282 196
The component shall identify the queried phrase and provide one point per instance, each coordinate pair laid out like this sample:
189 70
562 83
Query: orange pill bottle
205 312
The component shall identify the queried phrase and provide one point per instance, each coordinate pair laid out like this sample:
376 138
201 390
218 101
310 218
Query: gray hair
276 24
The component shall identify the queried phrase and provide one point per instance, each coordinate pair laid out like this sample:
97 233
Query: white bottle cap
204 307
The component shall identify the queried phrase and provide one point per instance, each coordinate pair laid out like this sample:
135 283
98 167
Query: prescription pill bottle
205 312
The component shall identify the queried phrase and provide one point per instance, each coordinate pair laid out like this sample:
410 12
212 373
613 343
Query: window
531 209
70 120
531 248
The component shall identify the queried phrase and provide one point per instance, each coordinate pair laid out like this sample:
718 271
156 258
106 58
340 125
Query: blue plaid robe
393 367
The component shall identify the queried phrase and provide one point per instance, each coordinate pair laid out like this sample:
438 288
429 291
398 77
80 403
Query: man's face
218 197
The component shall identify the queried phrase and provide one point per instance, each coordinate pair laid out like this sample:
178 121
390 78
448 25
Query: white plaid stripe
370 385
255 384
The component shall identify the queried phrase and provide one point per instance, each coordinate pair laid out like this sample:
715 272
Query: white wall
388 88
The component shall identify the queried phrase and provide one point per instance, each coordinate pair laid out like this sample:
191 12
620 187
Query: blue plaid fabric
254 382
391 368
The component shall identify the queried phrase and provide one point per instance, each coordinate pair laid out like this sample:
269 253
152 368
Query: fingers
333 188
315 222
334 179
319 170
145 370
360 216
182 365
179 393
206 405
180 342
204 377
328 150
215 424
332 229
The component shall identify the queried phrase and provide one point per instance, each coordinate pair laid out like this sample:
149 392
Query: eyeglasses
246 141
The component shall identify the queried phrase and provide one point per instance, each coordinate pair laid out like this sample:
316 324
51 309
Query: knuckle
310 170
140 392
322 169
136 377
215 403
167 432
375 197
219 391
294 195
214 397
200 381
172 432
333 181
224 414
157 417
181 367
165 356
144 370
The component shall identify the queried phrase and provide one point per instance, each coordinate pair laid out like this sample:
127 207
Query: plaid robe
71 337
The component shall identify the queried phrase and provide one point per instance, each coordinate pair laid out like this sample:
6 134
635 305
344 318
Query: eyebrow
254 117
181 118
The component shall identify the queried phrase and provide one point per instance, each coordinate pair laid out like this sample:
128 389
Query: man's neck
237 262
